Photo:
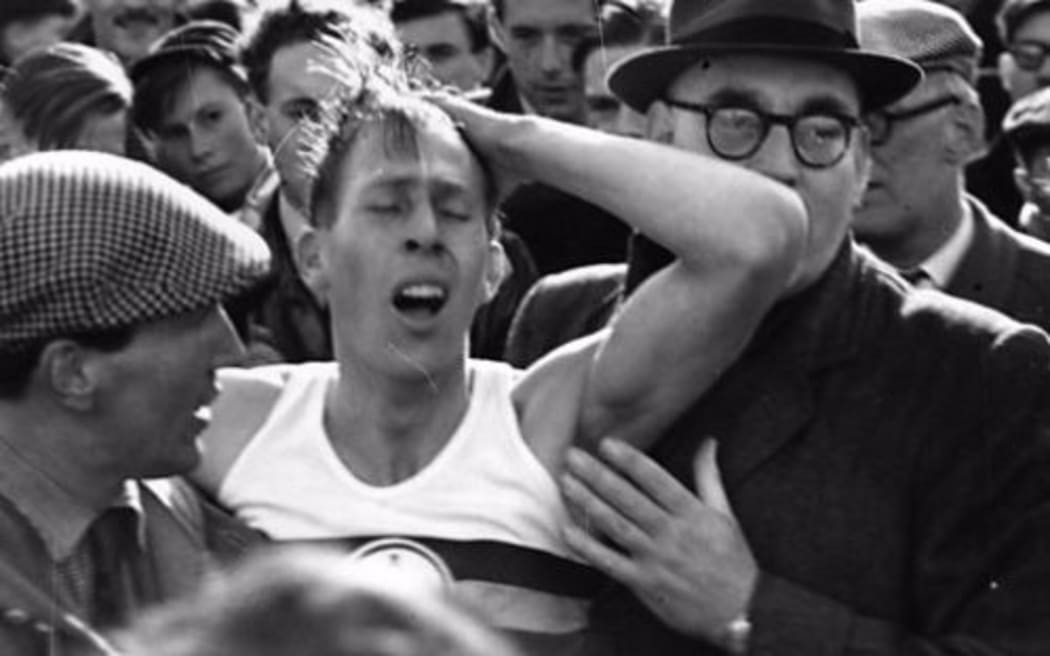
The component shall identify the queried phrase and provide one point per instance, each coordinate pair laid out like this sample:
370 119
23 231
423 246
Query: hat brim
641 79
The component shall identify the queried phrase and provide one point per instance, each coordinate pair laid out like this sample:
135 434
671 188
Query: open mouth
420 299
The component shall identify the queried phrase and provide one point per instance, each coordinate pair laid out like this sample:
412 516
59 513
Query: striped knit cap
90 241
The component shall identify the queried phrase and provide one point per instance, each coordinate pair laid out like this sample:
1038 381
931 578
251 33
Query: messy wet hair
402 113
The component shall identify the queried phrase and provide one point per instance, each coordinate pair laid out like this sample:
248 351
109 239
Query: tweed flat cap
90 241
932 35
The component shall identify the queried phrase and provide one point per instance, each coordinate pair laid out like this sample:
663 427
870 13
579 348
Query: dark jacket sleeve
981 546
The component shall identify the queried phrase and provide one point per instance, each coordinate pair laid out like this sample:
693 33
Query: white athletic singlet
485 504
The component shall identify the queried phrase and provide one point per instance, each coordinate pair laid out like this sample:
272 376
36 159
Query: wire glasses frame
880 122
820 139
1029 55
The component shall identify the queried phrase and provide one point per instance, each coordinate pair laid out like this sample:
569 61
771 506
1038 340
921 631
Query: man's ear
485 59
965 134
861 165
498 269
71 374
659 123
310 263
497 34
257 119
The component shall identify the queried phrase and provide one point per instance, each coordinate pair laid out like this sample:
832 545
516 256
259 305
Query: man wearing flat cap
111 279
1026 130
870 476
916 213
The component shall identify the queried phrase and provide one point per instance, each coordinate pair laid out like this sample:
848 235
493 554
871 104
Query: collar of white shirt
941 265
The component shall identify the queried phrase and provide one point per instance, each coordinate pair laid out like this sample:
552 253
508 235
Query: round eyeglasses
819 139
880 122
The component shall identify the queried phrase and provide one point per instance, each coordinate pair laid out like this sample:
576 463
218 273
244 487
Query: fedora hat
823 30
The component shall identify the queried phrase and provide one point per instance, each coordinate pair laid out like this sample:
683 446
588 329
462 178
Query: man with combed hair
111 331
451 35
292 59
404 436
879 484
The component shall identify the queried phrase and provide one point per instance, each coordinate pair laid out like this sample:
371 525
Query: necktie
112 547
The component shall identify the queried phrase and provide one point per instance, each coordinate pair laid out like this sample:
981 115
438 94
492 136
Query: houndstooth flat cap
932 35
90 241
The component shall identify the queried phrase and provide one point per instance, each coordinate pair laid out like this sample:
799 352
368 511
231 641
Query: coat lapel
986 271
769 397
780 406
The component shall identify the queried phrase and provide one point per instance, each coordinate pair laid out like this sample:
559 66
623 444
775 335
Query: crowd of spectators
580 327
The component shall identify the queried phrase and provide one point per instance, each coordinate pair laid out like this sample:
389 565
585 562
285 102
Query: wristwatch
736 635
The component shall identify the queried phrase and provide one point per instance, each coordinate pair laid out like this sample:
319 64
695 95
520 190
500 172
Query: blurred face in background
605 112
444 40
1033 178
206 140
128 27
298 83
22 36
539 38
1024 66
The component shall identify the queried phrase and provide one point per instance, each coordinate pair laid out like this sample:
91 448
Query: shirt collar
941 265
59 517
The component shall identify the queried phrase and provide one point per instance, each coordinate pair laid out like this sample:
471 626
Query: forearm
706 211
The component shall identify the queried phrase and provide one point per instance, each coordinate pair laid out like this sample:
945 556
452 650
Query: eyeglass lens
737 133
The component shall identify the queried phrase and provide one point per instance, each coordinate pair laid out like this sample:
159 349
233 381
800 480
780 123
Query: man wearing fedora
111 276
870 476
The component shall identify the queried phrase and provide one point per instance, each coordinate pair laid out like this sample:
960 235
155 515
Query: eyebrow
828 104
442 189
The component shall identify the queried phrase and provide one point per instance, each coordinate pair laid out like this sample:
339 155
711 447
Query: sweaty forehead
384 152
774 84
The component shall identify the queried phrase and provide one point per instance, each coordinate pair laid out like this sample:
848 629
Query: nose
550 56
423 231
200 145
629 123
776 157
